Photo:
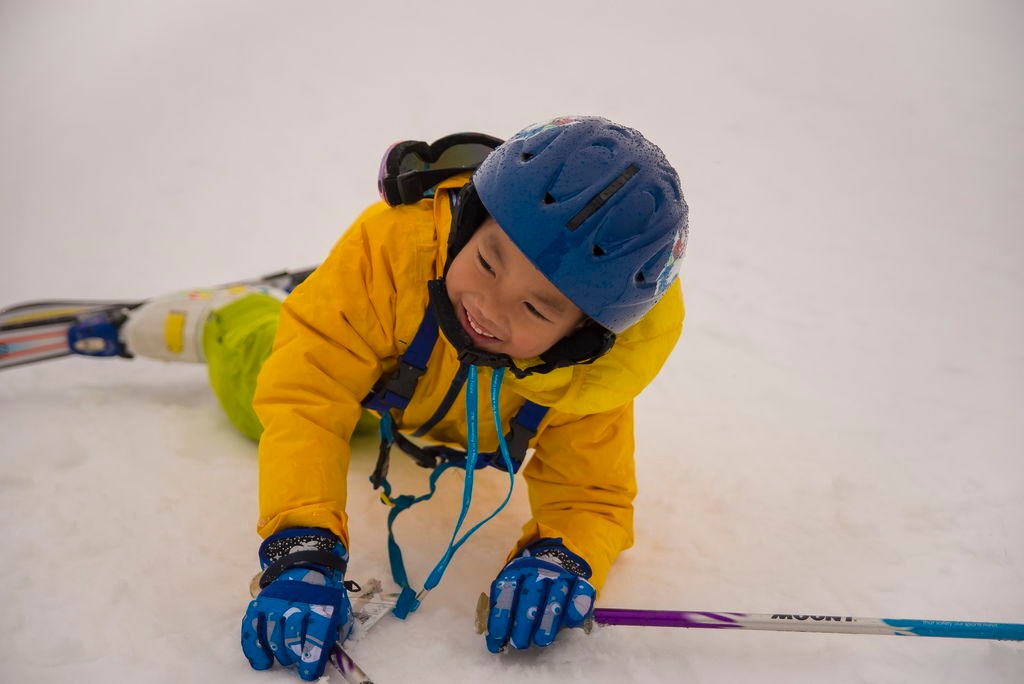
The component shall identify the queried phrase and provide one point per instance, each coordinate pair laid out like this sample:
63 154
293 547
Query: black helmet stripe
602 197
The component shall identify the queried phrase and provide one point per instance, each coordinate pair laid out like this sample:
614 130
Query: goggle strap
410 187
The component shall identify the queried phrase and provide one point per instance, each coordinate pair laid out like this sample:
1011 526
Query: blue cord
471 457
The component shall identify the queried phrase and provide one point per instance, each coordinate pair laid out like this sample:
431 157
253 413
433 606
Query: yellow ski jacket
348 323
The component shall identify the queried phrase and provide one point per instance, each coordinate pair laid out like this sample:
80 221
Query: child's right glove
540 591
304 607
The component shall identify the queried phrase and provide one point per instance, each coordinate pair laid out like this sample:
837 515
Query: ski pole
347 667
787 622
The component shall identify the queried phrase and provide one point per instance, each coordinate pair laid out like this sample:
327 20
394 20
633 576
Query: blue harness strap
395 392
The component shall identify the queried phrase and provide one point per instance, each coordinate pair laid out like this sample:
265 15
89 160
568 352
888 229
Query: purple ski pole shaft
786 622
348 668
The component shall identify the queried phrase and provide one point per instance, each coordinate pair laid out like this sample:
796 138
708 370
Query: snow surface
839 431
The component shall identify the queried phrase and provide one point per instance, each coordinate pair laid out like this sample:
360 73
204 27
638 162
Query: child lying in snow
554 263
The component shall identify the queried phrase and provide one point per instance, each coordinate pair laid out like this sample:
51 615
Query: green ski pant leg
237 339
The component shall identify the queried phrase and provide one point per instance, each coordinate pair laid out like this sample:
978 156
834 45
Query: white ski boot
170 327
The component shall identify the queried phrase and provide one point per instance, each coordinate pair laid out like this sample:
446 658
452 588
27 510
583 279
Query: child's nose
493 308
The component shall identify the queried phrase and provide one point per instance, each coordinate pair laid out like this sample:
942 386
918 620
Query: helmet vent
640 277
548 199
526 156
598 252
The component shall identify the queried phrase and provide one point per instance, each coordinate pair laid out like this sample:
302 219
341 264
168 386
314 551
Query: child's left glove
304 606
540 591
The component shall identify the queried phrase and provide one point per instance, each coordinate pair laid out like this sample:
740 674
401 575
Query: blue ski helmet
596 207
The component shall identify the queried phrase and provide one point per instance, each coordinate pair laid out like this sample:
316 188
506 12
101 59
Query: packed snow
838 432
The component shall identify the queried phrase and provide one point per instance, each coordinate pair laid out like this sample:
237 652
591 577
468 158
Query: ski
51 329
45 312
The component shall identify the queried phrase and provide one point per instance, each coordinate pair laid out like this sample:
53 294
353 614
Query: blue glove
304 607
542 590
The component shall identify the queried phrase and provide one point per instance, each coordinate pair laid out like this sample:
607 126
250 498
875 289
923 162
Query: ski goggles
411 169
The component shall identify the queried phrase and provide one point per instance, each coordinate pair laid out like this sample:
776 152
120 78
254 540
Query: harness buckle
396 390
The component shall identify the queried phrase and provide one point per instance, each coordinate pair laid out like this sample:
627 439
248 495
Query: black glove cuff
314 560
551 550
294 539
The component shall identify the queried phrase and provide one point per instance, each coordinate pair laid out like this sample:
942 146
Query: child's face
505 304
